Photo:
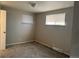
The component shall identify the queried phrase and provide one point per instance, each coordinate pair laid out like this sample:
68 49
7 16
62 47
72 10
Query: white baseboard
19 43
54 48
43 43
60 50
57 49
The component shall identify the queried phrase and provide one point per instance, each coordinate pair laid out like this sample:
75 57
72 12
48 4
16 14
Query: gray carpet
30 50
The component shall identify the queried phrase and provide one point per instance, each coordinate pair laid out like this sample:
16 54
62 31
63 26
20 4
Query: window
27 19
55 19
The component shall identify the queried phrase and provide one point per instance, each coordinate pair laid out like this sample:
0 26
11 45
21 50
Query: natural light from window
55 19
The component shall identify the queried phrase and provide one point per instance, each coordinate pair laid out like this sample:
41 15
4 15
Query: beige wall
16 31
53 35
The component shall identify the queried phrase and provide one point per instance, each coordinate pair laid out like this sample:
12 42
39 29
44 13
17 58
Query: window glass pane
60 19
50 20
55 19
27 19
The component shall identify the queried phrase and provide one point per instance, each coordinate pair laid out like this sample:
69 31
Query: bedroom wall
17 32
53 35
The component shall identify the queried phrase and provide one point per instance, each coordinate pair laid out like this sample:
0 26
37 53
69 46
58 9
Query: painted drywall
16 31
75 32
53 35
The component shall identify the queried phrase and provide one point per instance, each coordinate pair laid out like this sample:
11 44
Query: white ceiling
42 6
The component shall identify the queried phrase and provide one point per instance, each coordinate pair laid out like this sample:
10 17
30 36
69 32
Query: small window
27 19
55 19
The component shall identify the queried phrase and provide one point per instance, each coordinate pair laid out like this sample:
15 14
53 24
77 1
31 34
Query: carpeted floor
30 50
